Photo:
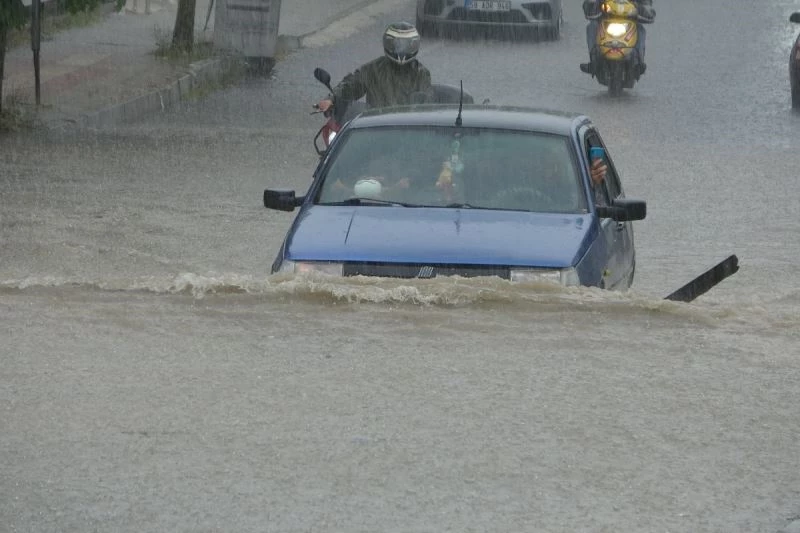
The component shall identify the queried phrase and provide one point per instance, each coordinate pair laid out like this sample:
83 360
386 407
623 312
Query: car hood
438 236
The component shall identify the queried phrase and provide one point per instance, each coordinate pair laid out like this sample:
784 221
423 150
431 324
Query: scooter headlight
617 29
331 137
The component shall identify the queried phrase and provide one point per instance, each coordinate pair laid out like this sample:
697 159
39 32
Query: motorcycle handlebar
327 112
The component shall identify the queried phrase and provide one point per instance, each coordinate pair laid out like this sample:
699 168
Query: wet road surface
154 377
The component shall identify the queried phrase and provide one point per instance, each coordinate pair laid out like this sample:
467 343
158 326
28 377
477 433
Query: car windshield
454 167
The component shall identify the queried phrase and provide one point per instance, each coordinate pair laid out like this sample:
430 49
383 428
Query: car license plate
488 5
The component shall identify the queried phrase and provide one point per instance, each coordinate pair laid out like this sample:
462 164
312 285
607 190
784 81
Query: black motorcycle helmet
401 42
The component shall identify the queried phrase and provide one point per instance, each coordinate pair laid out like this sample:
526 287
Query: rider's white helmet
401 42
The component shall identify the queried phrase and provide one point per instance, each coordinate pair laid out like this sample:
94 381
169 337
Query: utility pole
36 42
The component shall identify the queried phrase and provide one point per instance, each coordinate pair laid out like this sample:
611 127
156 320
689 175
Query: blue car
440 190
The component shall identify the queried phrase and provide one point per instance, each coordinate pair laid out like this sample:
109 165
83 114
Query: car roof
474 116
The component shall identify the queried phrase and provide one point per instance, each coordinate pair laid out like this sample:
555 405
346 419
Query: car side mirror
795 17
282 199
623 210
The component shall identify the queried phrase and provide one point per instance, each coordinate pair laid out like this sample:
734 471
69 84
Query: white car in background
506 17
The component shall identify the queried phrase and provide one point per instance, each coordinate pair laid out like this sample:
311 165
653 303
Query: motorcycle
617 62
337 115
340 113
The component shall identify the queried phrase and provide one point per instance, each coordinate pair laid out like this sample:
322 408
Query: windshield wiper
369 201
457 205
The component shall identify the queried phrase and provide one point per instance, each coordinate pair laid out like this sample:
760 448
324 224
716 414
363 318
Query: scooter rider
390 79
591 9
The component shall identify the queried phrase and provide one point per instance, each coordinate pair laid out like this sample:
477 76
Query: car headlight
564 276
305 267
331 137
617 29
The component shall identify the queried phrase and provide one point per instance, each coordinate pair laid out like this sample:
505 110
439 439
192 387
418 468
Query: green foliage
13 116
76 6
12 14
53 23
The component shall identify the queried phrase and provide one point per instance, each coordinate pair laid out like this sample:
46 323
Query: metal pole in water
36 40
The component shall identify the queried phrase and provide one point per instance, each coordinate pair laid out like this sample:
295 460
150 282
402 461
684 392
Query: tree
183 34
14 15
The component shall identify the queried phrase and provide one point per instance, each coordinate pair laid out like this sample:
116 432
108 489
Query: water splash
451 292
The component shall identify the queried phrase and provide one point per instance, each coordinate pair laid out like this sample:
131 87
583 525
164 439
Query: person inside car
543 180
591 9
556 184
384 169
556 180
391 79
597 172
388 189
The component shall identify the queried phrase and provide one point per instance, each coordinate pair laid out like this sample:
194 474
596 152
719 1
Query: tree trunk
3 35
183 35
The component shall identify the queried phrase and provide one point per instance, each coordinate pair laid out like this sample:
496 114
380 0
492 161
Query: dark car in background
507 17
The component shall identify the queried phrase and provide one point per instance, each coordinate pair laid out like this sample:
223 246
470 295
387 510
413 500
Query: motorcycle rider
390 79
591 10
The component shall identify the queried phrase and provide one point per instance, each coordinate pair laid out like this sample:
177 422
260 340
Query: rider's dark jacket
384 82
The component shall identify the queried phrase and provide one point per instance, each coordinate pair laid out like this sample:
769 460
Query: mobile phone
596 152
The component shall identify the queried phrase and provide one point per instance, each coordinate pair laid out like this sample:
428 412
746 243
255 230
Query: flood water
155 377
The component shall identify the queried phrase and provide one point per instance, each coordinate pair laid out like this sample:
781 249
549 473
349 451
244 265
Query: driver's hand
598 171
324 105
403 183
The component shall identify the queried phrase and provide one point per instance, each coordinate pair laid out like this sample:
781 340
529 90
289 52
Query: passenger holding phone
597 171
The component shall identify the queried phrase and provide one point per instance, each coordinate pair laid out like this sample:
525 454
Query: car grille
406 270
505 17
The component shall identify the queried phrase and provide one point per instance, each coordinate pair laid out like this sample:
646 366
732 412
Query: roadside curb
290 43
202 74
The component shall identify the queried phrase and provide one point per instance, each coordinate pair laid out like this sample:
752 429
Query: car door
618 235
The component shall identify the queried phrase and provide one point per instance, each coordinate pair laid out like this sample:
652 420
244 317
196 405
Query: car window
604 192
438 166
612 181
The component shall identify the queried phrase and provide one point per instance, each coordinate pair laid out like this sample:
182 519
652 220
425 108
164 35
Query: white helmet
401 42
367 188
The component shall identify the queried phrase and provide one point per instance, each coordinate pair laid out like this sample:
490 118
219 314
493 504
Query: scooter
337 115
340 113
616 60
